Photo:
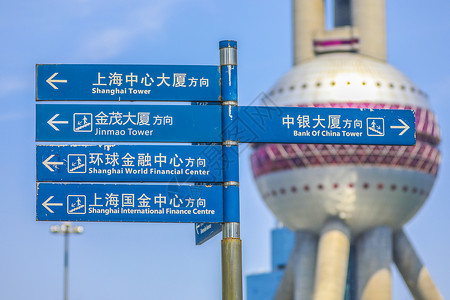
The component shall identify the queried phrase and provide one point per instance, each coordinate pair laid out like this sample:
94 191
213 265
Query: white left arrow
405 127
50 81
52 122
49 163
46 204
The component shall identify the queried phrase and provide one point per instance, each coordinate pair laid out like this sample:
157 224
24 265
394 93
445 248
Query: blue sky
160 261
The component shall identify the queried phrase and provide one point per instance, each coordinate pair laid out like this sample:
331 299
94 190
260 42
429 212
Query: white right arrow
405 127
46 204
52 121
49 163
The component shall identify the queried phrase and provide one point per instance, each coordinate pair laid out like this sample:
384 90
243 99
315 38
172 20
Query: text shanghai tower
347 204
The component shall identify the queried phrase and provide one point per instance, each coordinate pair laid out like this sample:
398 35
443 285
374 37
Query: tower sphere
367 186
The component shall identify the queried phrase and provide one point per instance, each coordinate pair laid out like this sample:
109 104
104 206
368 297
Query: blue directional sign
140 163
128 123
127 82
129 203
326 125
205 231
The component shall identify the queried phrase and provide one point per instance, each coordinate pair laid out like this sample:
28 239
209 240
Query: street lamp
66 229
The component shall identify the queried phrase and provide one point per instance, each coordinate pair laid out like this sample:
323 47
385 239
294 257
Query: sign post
76 202
231 241
313 125
129 163
116 183
127 83
127 123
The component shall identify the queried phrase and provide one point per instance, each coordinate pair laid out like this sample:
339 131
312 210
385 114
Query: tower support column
309 19
342 13
304 264
285 290
298 279
332 261
413 271
373 263
369 17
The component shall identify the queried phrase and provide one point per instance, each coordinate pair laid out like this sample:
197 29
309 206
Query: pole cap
227 44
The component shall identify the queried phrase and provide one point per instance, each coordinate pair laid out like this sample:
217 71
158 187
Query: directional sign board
326 125
205 231
141 163
127 82
128 123
129 203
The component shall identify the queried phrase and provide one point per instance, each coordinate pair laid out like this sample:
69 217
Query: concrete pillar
413 271
373 264
298 279
285 290
332 261
309 18
304 265
369 17
342 13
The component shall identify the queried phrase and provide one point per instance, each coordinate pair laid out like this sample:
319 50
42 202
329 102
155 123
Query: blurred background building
342 207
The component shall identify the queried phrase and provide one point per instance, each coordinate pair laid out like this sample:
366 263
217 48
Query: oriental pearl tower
347 204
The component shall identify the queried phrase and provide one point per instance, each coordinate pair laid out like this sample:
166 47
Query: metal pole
66 229
66 265
231 262
231 242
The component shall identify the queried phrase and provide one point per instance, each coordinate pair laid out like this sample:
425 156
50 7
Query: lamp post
66 229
